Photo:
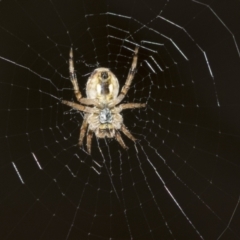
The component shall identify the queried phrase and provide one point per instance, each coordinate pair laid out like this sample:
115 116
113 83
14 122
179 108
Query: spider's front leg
83 130
127 133
89 141
120 140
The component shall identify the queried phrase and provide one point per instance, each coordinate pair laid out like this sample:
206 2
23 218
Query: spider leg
129 79
88 101
132 105
79 107
83 130
120 140
73 76
127 133
89 140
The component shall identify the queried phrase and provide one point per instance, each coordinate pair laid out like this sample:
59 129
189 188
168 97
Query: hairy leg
79 107
73 76
89 140
127 133
129 79
83 130
132 105
120 140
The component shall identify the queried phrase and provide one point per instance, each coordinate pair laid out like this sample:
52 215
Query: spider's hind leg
73 76
129 79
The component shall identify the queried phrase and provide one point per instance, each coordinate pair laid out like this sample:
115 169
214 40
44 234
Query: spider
102 112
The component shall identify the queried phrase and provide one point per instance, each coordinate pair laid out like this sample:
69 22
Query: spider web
181 180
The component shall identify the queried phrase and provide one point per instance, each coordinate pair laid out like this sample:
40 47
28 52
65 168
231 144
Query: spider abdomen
104 88
102 85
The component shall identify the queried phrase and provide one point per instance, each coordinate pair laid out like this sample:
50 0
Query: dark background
182 178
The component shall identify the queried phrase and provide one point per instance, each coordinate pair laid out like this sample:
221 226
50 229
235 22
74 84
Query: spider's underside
102 112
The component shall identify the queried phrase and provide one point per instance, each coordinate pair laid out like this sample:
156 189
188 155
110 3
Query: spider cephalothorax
102 112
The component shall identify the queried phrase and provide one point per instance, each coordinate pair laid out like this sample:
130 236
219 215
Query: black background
181 180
